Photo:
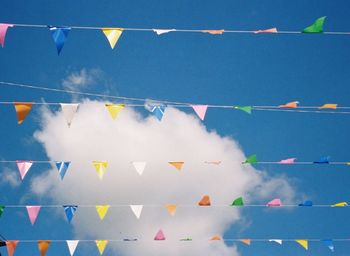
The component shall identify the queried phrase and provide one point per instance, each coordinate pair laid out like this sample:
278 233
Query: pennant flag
139 166
101 245
287 161
22 110
279 241
293 104
11 247
137 209
341 204
177 165
213 162
171 209
69 110
43 246
270 30
112 35
159 236
322 160
2 209
214 32
70 211
102 210
114 109
163 31
23 167
62 168
158 111
247 109
130 239
329 244
59 36
72 245
329 106
251 160
306 203
100 168
303 243
33 211
274 202
246 241
316 27
3 31
238 202
205 201
186 239
200 110
215 238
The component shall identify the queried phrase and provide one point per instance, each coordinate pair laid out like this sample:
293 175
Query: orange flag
293 104
215 238
214 32
205 201
270 30
22 110
246 241
11 247
329 106
177 165
43 246
171 209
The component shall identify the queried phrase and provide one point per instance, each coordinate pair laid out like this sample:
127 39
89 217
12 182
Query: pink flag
270 30
3 30
159 235
200 110
287 161
33 211
274 202
23 167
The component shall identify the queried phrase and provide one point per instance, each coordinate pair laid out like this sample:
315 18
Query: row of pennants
69 109
60 34
70 210
43 245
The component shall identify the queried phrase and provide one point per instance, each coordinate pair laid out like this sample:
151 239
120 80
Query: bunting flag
278 241
139 167
171 209
251 160
306 203
329 244
70 211
62 168
101 245
23 167
200 110
72 246
3 31
114 109
316 27
329 106
137 209
100 168
270 30
43 246
11 247
287 161
303 243
247 109
102 210
238 202
274 203
2 209
69 110
177 165
187 239
59 36
246 241
215 238
158 111
163 31
112 35
22 110
293 104
159 236
214 32
205 201
213 162
322 160
33 211
341 204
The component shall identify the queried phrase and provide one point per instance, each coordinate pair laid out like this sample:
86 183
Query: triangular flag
205 201
62 168
247 109
158 111
303 243
200 110
114 109
279 241
329 106
329 244
177 165
238 202
270 30
274 202
287 161
59 36
11 247
72 245
100 168
112 35
23 167
33 211
3 30
136 209
2 209
215 238
22 110
43 246
246 241
341 204
251 160
306 203
101 245
159 236
213 162
171 209
69 110
322 160
214 32
316 27
70 211
162 31
139 166
102 210
293 104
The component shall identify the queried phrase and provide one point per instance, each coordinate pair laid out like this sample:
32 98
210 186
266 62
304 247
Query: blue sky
231 69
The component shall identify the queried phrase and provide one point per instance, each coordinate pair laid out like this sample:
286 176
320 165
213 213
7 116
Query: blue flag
322 160
306 203
62 168
59 35
329 244
70 211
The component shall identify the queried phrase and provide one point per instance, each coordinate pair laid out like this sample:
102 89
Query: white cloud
81 79
10 177
93 135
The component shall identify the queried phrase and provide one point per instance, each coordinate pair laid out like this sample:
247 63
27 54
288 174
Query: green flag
317 27
238 202
251 160
2 209
247 109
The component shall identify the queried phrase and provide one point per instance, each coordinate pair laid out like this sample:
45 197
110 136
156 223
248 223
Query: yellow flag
246 241
22 110
112 35
100 168
341 204
171 209
114 109
102 210
330 106
101 245
177 165
303 243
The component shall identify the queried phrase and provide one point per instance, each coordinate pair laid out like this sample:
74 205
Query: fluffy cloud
93 135
80 79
